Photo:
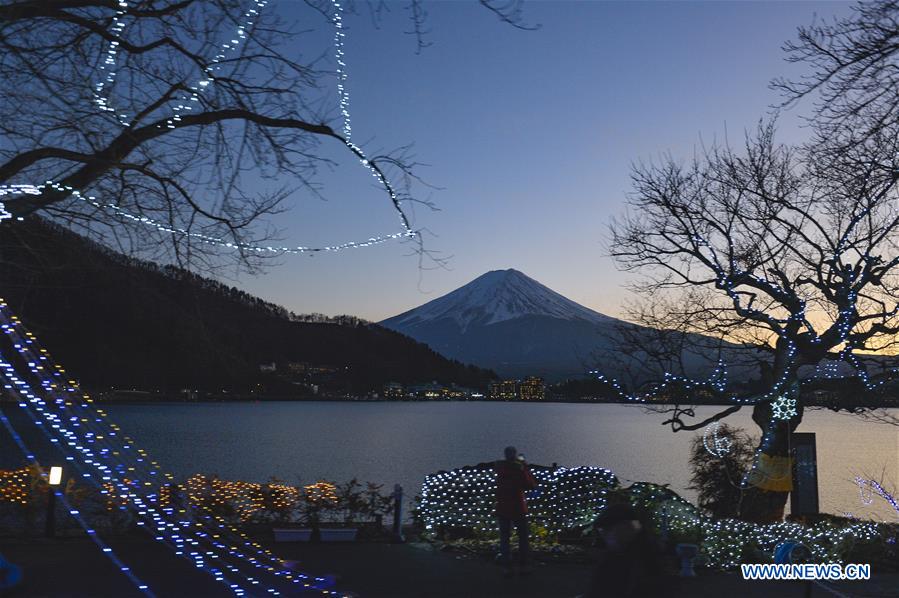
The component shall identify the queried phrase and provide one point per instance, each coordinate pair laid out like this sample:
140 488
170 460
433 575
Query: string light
716 383
110 473
107 67
342 93
564 498
865 492
195 553
15 486
186 105
344 102
873 486
74 513
209 239
728 280
71 424
465 497
718 446
783 393
215 64
144 509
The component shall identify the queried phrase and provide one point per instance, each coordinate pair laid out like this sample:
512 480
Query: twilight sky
529 135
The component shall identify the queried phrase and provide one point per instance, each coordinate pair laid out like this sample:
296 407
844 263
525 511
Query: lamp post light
54 480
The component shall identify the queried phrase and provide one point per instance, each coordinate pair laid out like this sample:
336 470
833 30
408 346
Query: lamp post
53 480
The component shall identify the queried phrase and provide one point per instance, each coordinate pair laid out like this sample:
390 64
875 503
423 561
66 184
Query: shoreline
242 398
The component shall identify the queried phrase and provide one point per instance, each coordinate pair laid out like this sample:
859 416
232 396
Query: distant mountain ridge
497 296
509 322
116 321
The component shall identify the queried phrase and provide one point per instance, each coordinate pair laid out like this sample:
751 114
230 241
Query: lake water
402 442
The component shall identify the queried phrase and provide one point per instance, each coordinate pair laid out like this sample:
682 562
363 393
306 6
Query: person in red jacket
512 480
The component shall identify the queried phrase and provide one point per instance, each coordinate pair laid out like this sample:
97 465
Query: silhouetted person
630 561
512 480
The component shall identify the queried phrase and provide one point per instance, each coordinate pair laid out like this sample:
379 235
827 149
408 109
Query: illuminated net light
321 493
564 498
15 486
244 500
465 498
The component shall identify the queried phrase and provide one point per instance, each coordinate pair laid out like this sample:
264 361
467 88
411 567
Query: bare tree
789 253
853 73
199 115
660 336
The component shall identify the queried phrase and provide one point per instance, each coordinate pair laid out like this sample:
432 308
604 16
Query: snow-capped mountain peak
497 296
512 324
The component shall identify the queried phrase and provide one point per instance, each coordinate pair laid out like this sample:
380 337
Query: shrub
717 477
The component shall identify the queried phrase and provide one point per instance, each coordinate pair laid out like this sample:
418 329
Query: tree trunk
769 483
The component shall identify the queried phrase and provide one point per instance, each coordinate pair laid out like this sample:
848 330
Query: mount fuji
509 322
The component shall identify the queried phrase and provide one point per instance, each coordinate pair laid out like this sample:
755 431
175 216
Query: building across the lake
531 388
503 390
302 367
431 391
394 390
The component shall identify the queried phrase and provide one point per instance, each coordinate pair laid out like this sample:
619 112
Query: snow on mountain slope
494 297
515 326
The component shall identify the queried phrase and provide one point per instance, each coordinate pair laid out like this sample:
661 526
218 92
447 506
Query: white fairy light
107 67
564 498
465 497
716 445
865 493
342 92
97 463
251 14
867 489
76 514
212 240
344 104
97 448
784 408
230 46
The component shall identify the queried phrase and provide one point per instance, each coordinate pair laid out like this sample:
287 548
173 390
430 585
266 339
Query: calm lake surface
402 442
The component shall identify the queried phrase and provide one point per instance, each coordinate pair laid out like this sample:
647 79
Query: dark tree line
120 322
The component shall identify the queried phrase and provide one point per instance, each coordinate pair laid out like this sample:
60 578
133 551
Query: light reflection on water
402 442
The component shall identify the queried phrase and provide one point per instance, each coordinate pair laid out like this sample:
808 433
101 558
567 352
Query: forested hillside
114 321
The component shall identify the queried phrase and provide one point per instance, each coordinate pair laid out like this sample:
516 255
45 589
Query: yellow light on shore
55 475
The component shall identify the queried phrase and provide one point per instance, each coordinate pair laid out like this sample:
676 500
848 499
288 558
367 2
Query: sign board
804 498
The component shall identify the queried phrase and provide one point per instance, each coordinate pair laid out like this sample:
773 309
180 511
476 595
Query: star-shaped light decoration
784 407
